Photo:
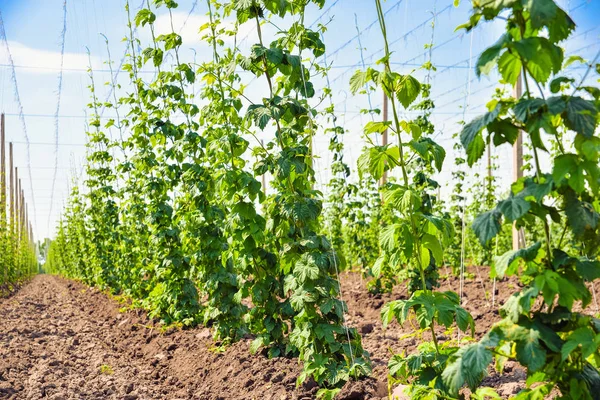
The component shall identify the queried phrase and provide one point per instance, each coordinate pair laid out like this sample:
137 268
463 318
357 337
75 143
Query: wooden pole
26 221
518 235
3 223
264 176
2 170
16 203
12 204
17 237
489 172
23 207
22 238
384 136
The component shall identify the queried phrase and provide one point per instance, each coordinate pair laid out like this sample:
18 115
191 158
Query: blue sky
33 32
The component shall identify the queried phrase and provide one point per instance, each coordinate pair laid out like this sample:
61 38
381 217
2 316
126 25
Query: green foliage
540 329
18 259
173 213
415 234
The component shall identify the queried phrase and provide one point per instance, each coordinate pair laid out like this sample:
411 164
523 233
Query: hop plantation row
17 249
174 214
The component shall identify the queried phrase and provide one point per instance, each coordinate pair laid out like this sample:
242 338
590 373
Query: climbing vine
541 328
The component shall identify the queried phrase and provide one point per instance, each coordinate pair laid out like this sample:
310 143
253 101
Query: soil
60 339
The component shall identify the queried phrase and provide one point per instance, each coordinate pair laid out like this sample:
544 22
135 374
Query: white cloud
46 61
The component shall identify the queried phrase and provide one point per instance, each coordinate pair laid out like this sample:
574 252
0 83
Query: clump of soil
62 340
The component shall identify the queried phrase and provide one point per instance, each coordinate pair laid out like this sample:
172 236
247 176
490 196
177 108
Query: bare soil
60 339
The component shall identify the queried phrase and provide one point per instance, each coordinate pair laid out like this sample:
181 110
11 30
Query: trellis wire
20 111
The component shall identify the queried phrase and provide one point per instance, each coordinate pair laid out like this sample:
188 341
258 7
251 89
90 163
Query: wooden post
22 240
16 233
26 221
518 235
384 136
23 205
11 189
16 210
12 204
264 176
4 257
2 170
489 173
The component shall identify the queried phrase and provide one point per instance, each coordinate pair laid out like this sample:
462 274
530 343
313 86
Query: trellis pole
518 235
384 135
12 206
4 236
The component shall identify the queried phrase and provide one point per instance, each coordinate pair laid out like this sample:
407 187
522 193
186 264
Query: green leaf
484 392
557 83
519 303
564 164
509 66
581 116
541 56
429 150
377 160
486 226
257 343
387 237
432 243
397 364
327 394
306 269
588 269
501 264
529 351
542 12
471 137
507 263
488 58
474 127
581 216
464 320
408 90
534 191
561 27
475 150
504 132
376 127
514 208
359 80
423 303
583 337
388 312
526 108
378 265
468 365
445 310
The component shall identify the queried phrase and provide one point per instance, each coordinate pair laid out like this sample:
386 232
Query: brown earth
62 340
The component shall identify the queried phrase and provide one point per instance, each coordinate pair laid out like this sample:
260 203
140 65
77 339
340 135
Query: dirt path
62 340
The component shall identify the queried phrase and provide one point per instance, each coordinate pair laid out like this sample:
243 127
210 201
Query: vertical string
464 208
333 252
465 106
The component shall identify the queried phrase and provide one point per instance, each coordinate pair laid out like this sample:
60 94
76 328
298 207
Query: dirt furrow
63 340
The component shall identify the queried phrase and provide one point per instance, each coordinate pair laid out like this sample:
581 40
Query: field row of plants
173 213
18 260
